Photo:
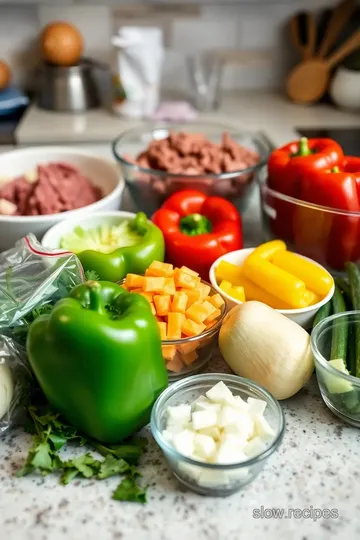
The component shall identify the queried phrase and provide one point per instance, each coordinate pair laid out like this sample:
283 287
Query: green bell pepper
134 259
97 357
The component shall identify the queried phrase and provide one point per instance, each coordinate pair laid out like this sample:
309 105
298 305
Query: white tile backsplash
18 31
247 25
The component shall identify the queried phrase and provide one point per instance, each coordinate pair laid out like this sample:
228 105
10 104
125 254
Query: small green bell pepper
97 357
134 259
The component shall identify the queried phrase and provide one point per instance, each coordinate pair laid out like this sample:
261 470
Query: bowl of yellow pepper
294 285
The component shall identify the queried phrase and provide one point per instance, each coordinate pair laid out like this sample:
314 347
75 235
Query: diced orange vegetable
124 286
162 327
160 269
213 316
192 328
175 323
169 286
190 358
168 351
182 279
179 302
210 308
162 304
134 281
175 365
216 300
187 348
237 293
154 284
226 271
203 289
193 295
153 310
147 295
137 290
197 312
189 271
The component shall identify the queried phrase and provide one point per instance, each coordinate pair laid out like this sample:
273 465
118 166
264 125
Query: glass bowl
326 235
151 187
207 478
183 350
340 391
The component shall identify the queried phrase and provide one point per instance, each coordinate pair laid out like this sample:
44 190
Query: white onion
263 345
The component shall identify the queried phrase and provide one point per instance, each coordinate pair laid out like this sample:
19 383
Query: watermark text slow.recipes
295 513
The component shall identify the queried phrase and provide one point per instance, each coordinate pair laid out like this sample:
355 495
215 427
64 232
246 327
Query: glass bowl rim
178 386
207 333
315 334
305 204
153 127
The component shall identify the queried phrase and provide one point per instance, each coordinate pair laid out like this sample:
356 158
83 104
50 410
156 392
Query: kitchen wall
252 25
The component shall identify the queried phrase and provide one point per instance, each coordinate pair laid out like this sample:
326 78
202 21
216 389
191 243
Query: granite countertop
315 467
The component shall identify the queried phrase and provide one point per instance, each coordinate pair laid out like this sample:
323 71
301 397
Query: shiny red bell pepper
286 168
198 229
352 164
334 189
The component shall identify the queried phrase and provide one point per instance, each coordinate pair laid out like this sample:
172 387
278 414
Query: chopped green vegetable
339 331
91 275
50 434
354 280
104 239
323 312
129 490
111 466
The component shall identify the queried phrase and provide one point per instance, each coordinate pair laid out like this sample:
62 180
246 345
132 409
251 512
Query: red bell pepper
287 166
198 229
335 234
352 164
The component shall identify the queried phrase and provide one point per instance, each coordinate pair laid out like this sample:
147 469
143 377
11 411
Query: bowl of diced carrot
294 285
189 313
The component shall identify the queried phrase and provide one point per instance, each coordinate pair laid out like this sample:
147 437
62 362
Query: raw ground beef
55 188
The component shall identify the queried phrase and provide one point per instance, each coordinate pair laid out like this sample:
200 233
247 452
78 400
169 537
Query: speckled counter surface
316 466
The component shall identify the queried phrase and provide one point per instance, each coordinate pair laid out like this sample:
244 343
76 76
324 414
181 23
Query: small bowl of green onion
335 343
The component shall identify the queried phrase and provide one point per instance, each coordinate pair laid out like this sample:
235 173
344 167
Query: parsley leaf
91 275
129 490
111 466
51 434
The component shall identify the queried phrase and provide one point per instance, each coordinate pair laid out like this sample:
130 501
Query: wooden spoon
306 47
309 80
338 19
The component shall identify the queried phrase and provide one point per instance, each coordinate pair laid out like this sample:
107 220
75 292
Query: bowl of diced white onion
217 431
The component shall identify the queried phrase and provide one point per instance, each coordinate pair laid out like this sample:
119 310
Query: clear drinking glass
205 71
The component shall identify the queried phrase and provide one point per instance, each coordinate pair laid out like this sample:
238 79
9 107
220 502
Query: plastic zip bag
32 280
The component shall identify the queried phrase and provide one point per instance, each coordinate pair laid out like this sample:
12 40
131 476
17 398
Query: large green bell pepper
135 259
97 357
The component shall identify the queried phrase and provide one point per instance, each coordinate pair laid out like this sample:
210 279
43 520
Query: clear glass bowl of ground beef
158 160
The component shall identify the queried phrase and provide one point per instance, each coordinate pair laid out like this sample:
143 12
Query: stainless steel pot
69 89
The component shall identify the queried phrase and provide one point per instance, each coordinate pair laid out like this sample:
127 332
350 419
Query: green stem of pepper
195 224
335 170
139 224
303 149
95 301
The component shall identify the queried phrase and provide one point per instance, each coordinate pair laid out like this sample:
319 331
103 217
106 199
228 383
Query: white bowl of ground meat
41 186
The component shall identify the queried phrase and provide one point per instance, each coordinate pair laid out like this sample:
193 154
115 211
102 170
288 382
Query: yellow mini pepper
274 280
316 279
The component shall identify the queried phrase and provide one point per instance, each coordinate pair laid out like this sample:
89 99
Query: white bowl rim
297 311
69 213
74 221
